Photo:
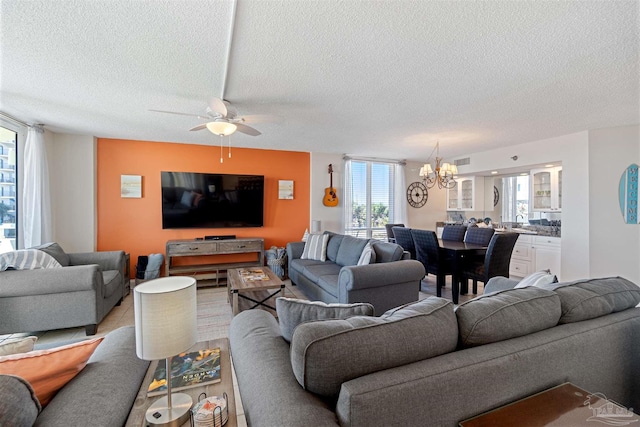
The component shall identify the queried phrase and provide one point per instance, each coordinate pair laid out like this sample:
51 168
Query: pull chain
229 146
221 161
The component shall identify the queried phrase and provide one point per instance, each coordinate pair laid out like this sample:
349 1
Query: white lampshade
316 226
165 316
222 128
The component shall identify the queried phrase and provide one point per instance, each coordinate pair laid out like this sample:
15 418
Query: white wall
614 245
73 176
433 211
330 217
573 151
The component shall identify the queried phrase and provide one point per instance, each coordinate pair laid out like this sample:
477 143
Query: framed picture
131 186
285 189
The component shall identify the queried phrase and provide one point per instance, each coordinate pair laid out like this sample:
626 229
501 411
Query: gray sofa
388 282
101 395
81 293
430 365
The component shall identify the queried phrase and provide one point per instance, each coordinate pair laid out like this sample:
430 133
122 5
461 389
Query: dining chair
429 253
390 237
479 235
454 232
403 238
496 261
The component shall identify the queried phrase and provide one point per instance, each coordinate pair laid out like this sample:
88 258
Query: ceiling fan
222 119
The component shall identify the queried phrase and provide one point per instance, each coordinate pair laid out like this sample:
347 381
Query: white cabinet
535 253
546 190
467 195
547 254
522 257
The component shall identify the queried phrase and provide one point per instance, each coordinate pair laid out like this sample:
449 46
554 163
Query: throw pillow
316 247
17 345
27 259
368 255
292 312
305 235
539 278
49 370
152 270
19 405
326 354
56 251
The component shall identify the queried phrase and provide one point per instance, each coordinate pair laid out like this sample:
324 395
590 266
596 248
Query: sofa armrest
107 260
353 277
500 283
45 281
294 250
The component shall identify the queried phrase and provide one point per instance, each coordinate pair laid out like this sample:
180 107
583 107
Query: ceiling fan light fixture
221 128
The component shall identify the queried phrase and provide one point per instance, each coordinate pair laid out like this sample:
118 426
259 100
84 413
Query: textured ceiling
371 78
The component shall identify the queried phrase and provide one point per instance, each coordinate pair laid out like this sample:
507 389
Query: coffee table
566 405
239 285
142 402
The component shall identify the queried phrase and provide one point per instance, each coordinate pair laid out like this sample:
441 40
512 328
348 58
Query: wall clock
496 196
417 194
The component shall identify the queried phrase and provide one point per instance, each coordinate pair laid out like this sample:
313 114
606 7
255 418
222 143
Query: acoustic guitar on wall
330 196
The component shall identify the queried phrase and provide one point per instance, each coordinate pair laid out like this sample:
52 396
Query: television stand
221 249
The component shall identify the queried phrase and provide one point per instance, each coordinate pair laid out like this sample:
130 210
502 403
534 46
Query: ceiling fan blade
181 114
216 104
232 112
247 129
199 127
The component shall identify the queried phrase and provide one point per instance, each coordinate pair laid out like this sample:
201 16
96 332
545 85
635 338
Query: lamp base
159 413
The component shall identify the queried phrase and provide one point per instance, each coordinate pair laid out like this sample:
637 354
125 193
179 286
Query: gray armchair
81 293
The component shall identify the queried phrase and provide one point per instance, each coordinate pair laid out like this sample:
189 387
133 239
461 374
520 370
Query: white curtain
347 198
36 203
399 214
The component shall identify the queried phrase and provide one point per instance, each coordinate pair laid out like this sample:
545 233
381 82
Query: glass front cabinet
546 189
467 195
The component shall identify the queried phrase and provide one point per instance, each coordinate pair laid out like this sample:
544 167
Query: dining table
459 253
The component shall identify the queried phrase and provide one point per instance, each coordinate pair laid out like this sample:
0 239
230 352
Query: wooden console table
193 248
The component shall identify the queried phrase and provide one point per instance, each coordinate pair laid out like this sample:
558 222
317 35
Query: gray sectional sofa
428 364
101 395
388 282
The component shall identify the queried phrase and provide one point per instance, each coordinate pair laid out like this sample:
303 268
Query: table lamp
166 325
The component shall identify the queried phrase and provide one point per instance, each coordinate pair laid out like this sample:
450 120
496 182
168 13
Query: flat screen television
210 200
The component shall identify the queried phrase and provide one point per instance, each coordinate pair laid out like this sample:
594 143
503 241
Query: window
515 198
8 189
370 199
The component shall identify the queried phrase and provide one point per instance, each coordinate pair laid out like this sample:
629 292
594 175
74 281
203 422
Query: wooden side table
566 405
142 402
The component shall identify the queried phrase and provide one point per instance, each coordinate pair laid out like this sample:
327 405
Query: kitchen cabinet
546 189
467 195
534 253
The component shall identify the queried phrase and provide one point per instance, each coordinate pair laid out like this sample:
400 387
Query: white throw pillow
368 255
305 236
27 259
17 345
315 247
539 278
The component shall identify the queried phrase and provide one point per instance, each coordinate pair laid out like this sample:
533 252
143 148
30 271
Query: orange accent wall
135 225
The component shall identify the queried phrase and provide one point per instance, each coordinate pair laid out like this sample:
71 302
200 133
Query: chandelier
441 174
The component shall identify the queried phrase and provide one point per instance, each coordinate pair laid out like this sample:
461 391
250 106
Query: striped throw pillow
27 259
315 247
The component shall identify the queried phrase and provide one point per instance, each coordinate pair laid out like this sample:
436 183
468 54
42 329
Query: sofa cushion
326 353
506 314
55 251
292 312
27 259
315 247
387 252
588 299
314 272
300 264
333 245
329 284
49 370
17 345
350 250
19 406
